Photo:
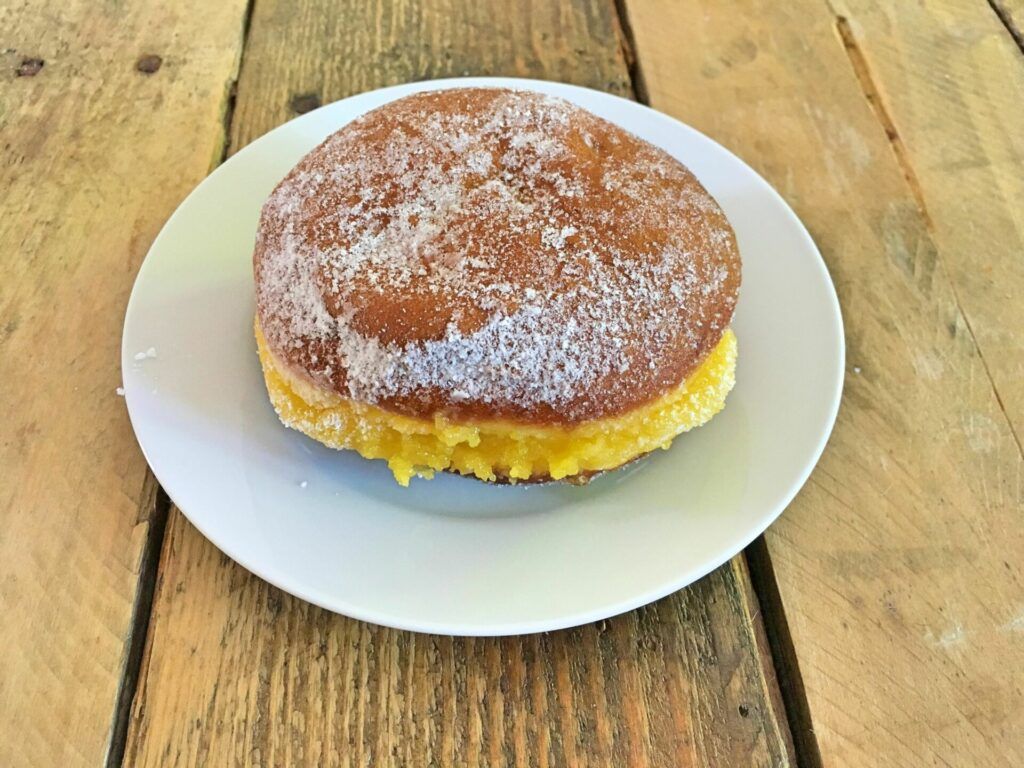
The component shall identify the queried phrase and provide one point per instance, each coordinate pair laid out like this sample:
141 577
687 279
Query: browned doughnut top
488 253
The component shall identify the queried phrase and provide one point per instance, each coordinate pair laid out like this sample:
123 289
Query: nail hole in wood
149 63
302 103
29 67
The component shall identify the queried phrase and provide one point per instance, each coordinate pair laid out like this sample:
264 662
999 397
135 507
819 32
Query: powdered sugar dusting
509 249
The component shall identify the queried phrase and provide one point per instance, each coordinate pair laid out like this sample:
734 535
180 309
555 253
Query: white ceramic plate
453 555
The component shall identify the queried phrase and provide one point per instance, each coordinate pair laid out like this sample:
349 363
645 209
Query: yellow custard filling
491 449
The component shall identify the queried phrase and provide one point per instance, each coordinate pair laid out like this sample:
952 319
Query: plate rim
692 574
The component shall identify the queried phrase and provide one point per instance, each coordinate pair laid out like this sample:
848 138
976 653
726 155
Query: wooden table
880 622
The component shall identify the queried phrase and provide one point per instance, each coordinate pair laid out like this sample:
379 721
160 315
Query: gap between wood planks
231 97
160 506
783 654
1006 17
762 575
627 42
862 71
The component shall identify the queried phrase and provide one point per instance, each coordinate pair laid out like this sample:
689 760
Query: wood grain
238 672
899 565
241 673
961 130
96 154
313 52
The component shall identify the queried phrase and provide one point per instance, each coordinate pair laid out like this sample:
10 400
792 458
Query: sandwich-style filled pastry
496 283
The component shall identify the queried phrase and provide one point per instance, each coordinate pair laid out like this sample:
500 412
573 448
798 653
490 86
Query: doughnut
496 283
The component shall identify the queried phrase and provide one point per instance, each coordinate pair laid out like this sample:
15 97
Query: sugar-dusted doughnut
494 282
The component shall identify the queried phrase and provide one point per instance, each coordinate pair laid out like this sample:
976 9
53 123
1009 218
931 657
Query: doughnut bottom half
499 451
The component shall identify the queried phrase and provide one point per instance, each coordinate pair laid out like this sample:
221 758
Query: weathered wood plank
318 52
899 564
239 672
96 154
273 680
950 81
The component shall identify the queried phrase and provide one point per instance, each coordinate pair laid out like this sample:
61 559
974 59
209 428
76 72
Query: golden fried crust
486 253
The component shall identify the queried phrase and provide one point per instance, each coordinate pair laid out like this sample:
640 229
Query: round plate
454 555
